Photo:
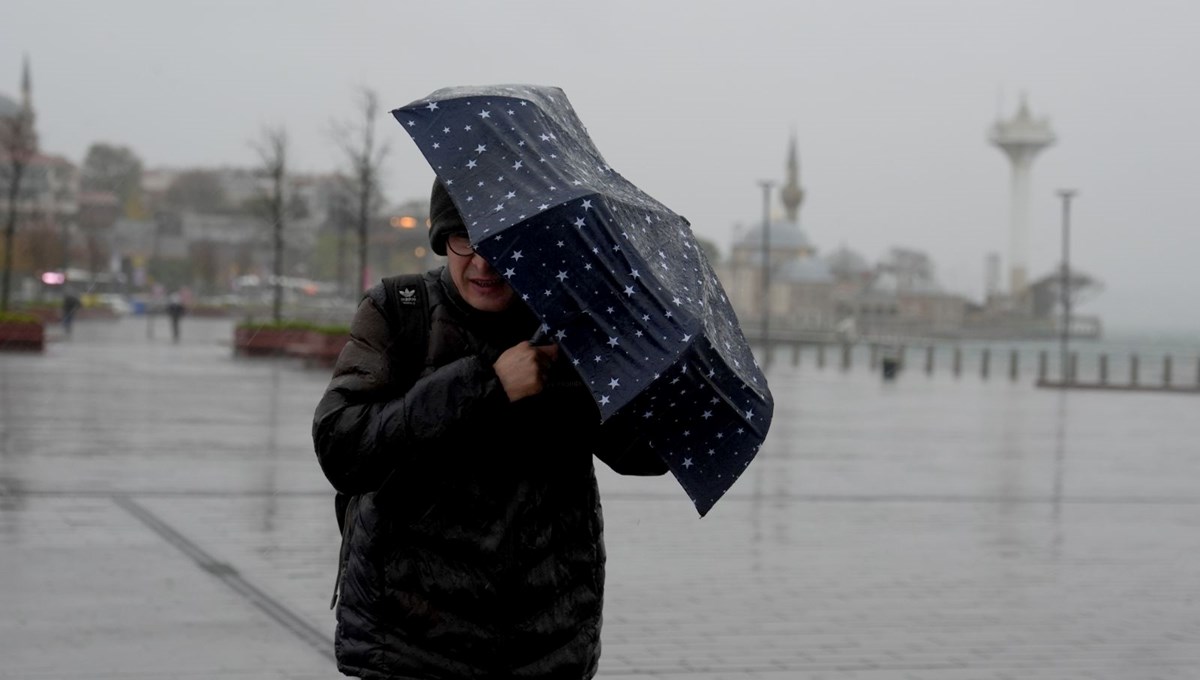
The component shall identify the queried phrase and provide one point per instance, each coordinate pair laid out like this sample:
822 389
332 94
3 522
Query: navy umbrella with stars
617 279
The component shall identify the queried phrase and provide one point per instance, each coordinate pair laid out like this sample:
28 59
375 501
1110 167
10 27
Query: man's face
477 282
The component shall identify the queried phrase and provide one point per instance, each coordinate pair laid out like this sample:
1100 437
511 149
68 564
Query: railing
1118 371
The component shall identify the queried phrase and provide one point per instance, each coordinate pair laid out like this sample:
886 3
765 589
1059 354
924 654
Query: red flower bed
315 347
253 341
22 335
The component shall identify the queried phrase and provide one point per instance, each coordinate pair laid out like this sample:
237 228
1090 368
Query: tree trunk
277 210
364 220
10 229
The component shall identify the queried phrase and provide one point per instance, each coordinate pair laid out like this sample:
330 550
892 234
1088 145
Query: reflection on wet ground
162 515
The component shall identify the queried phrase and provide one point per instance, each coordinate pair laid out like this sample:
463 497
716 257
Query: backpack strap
406 310
404 302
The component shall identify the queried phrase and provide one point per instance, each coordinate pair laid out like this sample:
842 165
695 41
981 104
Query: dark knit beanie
444 219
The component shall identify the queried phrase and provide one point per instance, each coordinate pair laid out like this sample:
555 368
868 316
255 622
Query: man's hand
523 367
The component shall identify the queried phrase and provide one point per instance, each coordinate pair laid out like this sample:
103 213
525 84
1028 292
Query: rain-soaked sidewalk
162 516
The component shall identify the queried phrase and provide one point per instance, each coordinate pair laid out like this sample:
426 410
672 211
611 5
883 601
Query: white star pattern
713 392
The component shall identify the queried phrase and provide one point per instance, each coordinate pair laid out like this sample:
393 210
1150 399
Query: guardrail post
957 361
929 360
1013 369
845 356
1103 369
985 362
1042 366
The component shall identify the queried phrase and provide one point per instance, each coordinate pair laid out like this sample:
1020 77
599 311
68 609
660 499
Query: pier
1094 368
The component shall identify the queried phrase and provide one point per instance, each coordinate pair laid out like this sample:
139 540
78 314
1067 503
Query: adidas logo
408 296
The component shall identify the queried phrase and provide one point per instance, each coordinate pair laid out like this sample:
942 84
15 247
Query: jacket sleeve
623 447
633 461
364 428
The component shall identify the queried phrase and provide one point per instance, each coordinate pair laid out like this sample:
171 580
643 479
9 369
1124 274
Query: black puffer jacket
475 548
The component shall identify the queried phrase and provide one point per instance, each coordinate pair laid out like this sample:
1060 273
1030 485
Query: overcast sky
890 103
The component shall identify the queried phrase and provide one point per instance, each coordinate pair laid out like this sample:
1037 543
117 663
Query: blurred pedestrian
175 310
70 305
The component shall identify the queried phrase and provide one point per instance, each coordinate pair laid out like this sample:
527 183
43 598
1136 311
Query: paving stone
157 501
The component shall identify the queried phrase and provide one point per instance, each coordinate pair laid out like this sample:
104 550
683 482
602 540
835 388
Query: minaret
791 193
1021 138
27 103
26 85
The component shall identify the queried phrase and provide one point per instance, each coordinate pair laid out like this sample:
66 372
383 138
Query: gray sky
694 102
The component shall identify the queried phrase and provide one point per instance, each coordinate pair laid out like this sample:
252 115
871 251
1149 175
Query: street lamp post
1065 285
152 261
766 185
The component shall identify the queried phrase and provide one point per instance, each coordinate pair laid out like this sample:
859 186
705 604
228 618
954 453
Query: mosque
838 296
46 205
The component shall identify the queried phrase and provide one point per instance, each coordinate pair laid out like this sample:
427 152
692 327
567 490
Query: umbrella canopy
617 278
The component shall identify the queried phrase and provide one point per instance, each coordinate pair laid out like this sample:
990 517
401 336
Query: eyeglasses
460 244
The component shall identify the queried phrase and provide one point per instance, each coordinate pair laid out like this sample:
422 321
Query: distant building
801 284
47 202
840 295
901 296
1021 138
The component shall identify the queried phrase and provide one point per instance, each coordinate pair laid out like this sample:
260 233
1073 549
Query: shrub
19 317
295 325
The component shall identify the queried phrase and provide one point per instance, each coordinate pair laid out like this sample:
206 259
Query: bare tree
117 169
198 190
17 147
272 149
365 154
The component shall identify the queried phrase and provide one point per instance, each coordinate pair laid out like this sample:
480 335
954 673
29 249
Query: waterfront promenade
162 516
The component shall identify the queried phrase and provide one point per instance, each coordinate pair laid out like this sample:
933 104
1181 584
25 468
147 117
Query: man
175 311
70 305
474 546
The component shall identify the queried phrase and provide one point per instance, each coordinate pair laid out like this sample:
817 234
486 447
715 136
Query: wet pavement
162 516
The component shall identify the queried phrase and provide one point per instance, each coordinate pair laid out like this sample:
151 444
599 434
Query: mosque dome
782 234
846 263
805 270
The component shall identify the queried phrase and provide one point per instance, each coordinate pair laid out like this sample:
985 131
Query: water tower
1021 137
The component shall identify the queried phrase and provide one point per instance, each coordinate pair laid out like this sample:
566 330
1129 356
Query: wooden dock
1169 374
1161 389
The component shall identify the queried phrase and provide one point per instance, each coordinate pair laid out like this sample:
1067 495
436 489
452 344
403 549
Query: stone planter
321 349
22 336
254 341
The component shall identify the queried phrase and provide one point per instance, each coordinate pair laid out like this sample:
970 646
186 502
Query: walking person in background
70 305
473 544
175 310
